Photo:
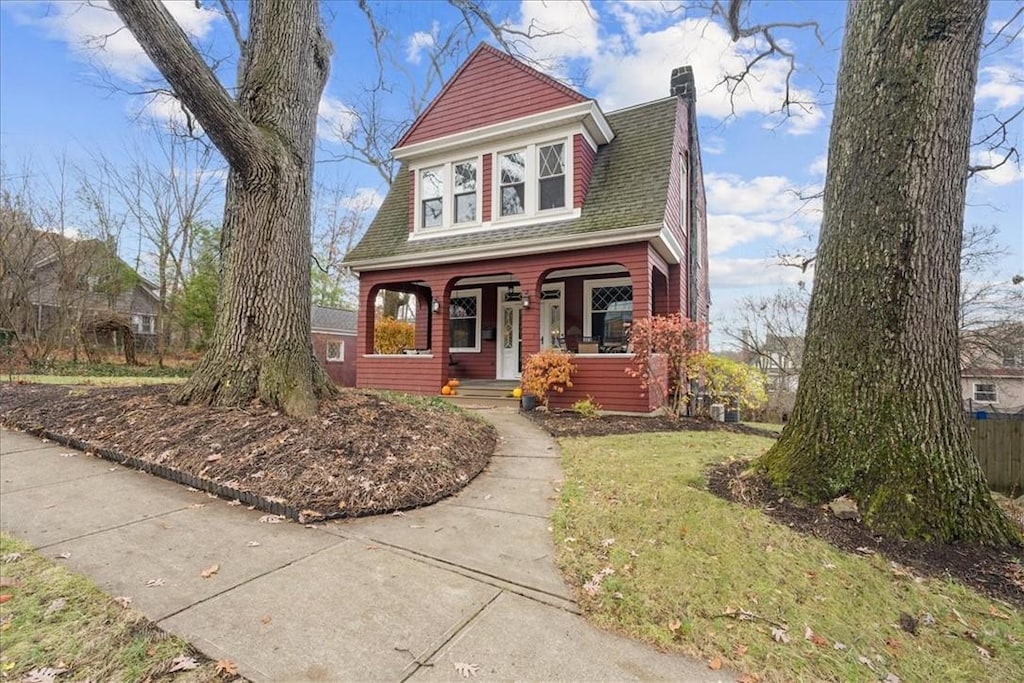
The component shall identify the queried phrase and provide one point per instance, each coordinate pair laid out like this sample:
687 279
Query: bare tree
991 306
878 412
261 347
339 217
165 197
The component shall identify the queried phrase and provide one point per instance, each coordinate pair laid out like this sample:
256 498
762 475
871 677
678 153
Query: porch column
439 326
641 281
529 326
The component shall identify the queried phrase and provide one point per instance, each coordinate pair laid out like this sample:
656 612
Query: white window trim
995 390
531 199
448 223
341 350
466 293
588 298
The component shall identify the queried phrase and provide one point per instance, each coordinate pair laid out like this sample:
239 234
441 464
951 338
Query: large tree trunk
261 346
878 411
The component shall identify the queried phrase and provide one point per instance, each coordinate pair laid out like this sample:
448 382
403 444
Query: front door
510 317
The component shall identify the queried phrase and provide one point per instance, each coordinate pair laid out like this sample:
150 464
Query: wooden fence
999 445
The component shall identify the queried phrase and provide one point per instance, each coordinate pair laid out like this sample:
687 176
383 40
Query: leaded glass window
513 183
464 176
551 176
431 194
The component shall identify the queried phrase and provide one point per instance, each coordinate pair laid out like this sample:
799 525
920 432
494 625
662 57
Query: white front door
510 315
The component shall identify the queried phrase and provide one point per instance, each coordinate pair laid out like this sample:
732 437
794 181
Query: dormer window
432 197
551 177
513 183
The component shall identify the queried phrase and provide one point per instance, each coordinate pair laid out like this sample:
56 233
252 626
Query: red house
525 217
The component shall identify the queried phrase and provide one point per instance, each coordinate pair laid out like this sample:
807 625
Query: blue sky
52 100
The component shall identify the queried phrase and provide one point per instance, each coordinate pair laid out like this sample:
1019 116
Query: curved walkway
411 596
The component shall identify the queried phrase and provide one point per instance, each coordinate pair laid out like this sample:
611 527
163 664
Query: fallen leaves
252 544
715 664
10 557
779 635
272 519
183 663
465 669
124 601
226 668
155 583
210 571
214 457
64 556
5 597
266 619
45 674
56 606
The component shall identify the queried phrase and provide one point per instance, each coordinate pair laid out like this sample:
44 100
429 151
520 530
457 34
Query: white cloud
1007 173
819 166
636 68
363 199
420 41
1003 85
93 31
335 119
560 31
168 112
726 273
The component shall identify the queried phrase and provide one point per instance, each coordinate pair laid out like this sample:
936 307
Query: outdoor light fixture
526 300
435 305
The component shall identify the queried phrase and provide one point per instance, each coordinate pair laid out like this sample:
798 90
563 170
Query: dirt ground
561 423
362 454
996 573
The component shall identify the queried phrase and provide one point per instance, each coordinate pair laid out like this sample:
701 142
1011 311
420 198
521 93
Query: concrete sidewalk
470 580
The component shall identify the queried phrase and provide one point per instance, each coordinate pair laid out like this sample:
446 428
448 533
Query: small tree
547 370
671 339
730 382
391 336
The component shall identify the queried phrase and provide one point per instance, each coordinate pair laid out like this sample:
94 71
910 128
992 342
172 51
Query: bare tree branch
177 59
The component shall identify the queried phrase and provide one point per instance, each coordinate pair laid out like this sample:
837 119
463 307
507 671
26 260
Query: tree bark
878 411
261 347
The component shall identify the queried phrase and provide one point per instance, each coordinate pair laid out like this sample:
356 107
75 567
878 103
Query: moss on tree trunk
878 411
261 347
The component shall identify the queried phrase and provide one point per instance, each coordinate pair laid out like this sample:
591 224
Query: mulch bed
561 423
361 454
997 573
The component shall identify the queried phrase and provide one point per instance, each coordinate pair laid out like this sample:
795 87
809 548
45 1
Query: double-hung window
464 321
464 200
551 176
513 183
984 393
432 197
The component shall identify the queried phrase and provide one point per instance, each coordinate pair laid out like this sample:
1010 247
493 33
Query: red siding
343 373
605 378
486 203
583 164
419 374
489 88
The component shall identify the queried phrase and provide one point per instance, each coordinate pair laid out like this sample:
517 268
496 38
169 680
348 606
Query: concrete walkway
470 580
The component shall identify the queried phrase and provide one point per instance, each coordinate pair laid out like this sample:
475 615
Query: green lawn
654 555
52 618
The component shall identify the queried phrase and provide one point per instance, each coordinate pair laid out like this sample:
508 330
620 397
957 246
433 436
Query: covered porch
480 321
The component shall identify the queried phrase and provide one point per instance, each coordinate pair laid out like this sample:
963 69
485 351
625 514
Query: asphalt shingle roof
334 319
628 187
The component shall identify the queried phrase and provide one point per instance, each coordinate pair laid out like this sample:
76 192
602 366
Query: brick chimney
682 83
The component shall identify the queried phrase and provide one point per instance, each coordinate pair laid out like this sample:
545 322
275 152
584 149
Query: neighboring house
334 342
524 217
994 377
53 286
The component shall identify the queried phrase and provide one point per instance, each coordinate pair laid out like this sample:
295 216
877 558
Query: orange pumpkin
446 390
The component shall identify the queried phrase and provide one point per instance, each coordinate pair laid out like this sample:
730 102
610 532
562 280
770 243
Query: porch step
487 389
483 401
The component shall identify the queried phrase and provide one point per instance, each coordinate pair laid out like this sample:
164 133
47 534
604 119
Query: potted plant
545 371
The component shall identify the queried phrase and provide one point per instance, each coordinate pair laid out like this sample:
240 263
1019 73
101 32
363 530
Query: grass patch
97 380
68 367
683 558
767 426
91 636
